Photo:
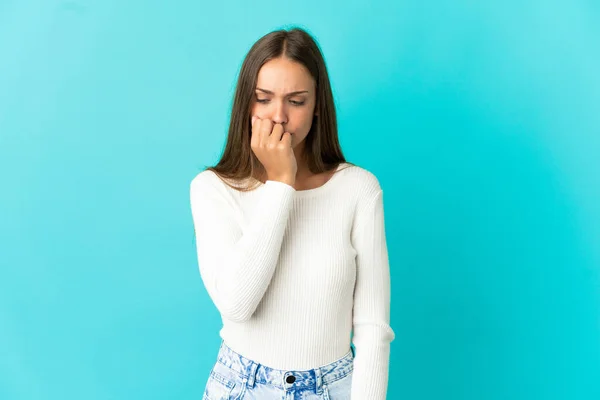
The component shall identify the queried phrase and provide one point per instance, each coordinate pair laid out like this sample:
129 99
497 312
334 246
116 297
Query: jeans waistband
252 371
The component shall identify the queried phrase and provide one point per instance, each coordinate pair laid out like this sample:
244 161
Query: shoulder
202 180
206 177
207 182
362 181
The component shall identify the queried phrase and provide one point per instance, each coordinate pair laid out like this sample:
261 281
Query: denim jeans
235 377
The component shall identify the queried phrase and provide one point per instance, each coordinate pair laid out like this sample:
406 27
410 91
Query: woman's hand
273 148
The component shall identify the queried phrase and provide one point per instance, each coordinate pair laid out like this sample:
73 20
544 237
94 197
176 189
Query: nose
279 115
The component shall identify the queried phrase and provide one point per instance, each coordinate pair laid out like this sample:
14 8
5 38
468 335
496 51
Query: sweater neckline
318 189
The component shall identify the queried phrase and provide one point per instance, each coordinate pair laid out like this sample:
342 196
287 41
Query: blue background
481 122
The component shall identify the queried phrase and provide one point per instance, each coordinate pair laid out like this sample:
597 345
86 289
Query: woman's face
285 93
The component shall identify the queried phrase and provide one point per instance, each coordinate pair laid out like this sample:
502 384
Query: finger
266 126
276 134
286 139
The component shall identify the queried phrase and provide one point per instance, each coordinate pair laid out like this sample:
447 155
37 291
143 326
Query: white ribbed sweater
294 272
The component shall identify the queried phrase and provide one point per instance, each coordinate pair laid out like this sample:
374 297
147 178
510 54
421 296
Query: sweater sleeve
372 333
237 263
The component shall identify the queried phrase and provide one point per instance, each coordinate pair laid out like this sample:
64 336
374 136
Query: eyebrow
289 94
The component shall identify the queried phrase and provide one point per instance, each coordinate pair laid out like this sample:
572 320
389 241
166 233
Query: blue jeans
235 377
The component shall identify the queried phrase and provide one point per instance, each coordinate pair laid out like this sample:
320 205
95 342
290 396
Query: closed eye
296 103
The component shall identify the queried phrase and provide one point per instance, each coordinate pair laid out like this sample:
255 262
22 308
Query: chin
296 141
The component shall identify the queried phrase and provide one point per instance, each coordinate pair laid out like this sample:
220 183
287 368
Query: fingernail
253 119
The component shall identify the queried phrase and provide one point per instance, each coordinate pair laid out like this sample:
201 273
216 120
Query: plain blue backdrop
481 121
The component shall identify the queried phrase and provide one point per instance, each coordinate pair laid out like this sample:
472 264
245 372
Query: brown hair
322 147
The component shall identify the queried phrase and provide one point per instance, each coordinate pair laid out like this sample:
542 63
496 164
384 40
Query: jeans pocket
223 384
339 389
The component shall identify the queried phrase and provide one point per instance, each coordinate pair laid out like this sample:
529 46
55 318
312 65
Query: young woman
291 240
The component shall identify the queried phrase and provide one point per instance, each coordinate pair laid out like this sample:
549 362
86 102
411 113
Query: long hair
322 148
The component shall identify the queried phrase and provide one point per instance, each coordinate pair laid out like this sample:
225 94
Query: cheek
310 120
304 117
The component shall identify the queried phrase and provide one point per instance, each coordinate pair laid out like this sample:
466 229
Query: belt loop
252 374
319 379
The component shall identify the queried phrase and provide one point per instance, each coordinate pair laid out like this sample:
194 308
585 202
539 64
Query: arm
236 265
372 333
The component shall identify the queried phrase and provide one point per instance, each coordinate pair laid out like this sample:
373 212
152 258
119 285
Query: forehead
283 75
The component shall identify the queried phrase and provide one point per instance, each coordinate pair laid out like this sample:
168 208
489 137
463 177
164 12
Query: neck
303 171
